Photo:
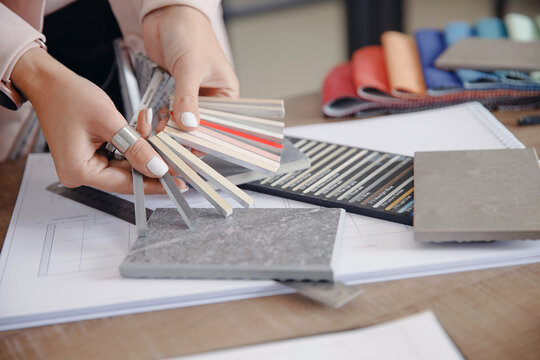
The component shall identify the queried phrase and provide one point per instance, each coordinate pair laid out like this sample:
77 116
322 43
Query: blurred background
283 48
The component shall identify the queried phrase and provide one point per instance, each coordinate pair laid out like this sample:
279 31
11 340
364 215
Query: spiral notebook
379 181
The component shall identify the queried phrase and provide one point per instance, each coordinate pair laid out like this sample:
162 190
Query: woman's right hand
77 117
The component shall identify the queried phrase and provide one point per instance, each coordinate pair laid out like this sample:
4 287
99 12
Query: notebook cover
479 195
282 244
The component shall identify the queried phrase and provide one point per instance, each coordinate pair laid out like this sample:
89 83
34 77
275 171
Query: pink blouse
22 21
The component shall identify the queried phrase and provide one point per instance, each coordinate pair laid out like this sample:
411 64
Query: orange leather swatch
369 69
403 64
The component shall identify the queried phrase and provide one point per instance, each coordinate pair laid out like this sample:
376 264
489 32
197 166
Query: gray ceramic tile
285 244
477 195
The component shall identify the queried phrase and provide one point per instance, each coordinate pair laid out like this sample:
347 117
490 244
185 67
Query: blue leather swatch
431 44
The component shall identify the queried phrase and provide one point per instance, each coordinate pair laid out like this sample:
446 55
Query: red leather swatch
338 84
369 69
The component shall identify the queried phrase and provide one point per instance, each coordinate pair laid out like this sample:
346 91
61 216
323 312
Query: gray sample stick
179 201
140 210
334 294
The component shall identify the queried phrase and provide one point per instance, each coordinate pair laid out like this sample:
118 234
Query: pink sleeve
17 36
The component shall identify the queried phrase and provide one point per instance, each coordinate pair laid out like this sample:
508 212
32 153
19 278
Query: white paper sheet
59 260
416 337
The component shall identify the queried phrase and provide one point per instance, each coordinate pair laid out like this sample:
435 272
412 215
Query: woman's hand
77 117
181 39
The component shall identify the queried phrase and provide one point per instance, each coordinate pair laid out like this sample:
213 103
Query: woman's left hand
181 39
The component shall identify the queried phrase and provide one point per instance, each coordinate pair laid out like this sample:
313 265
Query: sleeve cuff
12 98
207 7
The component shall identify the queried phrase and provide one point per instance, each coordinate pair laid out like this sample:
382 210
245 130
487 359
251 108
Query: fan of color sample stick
230 129
252 142
242 139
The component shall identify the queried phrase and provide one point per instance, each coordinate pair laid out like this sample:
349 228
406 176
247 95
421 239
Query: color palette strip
361 181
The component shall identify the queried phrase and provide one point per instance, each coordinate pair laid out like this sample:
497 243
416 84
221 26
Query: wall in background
286 52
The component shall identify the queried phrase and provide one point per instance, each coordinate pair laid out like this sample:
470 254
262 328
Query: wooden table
490 314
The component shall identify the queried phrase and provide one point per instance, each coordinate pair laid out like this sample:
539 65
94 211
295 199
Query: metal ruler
99 200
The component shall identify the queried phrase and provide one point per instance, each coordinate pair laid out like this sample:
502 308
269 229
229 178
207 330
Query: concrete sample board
281 244
478 195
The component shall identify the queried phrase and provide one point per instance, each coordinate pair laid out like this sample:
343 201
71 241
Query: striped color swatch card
361 181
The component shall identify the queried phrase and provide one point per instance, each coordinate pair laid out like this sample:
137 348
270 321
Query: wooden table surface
490 314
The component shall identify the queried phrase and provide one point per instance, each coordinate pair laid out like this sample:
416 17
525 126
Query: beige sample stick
208 172
192 177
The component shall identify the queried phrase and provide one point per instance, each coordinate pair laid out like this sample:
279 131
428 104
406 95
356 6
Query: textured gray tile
285 244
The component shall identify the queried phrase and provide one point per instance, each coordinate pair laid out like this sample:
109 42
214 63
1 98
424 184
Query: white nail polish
157 166
189 119
184 189
149 116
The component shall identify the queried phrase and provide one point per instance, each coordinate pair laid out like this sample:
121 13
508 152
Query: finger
198 153
186 96
119 180
163 119
144 122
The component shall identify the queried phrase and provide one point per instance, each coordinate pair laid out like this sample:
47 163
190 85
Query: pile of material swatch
400 75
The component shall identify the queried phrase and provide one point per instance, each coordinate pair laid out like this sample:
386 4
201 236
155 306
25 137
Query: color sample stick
192 177
208 172
268 167
140 210
232 147
272 125
179 201
248 129
239 143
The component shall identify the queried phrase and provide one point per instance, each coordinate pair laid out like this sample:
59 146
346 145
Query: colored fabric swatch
494 28
339 95
366 87
403 64
520 27
369 71
430 43
491 27
471 79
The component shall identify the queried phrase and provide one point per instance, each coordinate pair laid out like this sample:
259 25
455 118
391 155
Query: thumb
186 97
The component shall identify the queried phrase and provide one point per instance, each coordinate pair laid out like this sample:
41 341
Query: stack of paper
60 258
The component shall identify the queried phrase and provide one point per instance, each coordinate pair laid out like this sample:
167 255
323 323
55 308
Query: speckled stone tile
282 244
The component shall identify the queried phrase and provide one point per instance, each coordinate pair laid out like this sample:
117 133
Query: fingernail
189 119
149 116
157 166
184 189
